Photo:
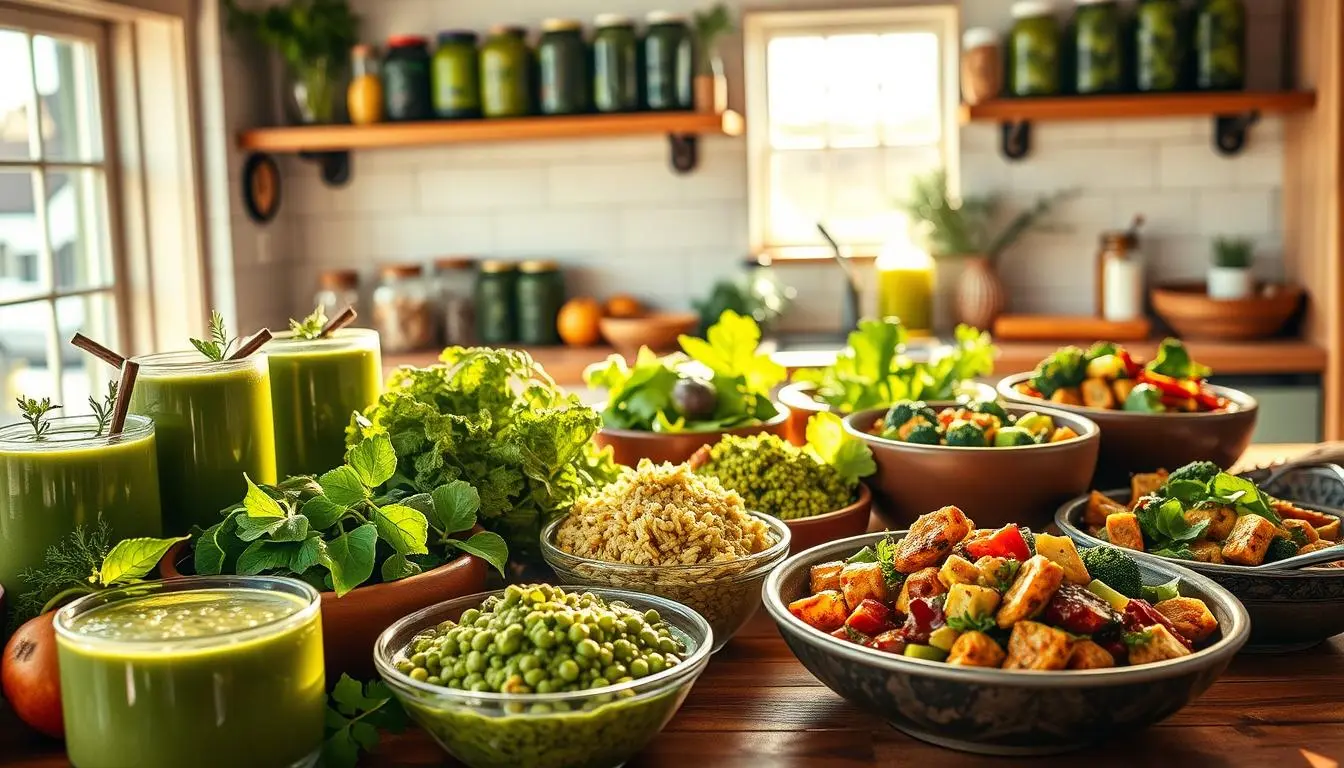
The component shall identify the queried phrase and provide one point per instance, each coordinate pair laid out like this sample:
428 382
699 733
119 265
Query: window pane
82 373
911 79
797 89
25 338
797 196
67 78
15 93
852 76
77 224
22 271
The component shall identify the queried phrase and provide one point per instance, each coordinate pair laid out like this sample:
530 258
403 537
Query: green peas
623 649
600 682
475 662
614 671
605 655
527 662
569 670
482 640
667 645
544 686
419 674
510 644
470 615
534 676
656 663
587 648
606 622
651 616
639 668
578 633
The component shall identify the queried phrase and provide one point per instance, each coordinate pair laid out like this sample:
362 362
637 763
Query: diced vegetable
1005 542
958 570
1086 654
968 601
825 610
1191 618
1249 541
1122 530
1061 551
870 618
1145 398
824 576
863 581
1079 611
1116 600
1031 592
943 638
1155 643
1037 646
1036 423
975 649
926 652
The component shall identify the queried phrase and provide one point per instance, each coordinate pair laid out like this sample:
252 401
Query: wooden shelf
1138 106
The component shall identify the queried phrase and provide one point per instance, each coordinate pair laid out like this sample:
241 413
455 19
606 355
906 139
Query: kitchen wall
619 220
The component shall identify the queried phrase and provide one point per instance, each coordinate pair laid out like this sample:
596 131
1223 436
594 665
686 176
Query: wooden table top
757 706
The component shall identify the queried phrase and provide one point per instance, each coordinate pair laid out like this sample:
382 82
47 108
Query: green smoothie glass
204 672
73 477
316 384
213 424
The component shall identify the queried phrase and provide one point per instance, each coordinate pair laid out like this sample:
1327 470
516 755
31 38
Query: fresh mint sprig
355 716
310 327
35 413
220 343
103 411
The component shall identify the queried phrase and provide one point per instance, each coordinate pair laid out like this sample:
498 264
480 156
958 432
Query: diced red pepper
925 616
1005 542
1182 388
1209 401
1131 368
1140 614
1079 611
870 617
891 642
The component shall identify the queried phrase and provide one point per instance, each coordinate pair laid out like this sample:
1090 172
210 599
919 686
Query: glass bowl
727 594
598 728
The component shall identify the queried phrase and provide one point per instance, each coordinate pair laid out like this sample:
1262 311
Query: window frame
759 27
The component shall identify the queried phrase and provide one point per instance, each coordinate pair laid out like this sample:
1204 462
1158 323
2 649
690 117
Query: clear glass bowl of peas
537 676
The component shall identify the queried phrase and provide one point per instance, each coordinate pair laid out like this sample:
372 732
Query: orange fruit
577 322
623 305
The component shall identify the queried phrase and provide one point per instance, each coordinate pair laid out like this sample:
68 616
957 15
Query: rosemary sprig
103 411
35 413
217 348
309 327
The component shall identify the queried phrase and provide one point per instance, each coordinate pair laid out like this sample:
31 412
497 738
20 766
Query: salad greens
828 443
1174 360
873 370
355 715
1162 514
494 419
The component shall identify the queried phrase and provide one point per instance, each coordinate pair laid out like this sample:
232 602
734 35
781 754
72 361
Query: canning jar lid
561 25
457 36
497 265
406 41
976 37
612 20
535 266
664 17
1027 9
400 270
454 262
338 279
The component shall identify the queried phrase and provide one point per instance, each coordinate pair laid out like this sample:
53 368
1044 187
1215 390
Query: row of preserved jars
1167 45
567 72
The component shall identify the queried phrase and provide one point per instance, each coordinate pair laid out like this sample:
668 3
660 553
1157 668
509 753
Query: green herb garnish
355 715
35 413
886 559
217 348
1136 639
310 327
979 623
103 411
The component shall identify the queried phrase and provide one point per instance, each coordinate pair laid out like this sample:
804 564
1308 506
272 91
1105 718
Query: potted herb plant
314 37
962 227
1230 271
711 84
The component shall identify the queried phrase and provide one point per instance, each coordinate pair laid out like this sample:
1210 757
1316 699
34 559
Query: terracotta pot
803 406
352 623
808 532
710 93
630 445
981 297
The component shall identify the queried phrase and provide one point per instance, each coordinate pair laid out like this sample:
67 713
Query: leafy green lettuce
1174 360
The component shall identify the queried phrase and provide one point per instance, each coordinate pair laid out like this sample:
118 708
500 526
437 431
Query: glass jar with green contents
506 74
540 292
496 303
1220 45
615 64
1158 48
669 60
206 671
562 63
406 83
75 474
1033 49
456 76
1098 58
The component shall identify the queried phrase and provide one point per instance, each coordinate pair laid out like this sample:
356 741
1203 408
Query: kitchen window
845 108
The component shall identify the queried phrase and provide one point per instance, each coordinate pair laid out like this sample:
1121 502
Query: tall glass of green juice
213 423
203 672
73 476
316 384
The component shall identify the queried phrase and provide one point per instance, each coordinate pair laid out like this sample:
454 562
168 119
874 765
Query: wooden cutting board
1069 328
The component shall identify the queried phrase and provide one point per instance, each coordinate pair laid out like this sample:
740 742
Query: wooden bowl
628 446
657 331
1187 308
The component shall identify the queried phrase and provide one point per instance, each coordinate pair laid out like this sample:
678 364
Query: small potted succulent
1230 271
711 85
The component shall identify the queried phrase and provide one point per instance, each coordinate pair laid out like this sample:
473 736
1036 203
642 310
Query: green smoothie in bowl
316 384
71 475
203 672
214 424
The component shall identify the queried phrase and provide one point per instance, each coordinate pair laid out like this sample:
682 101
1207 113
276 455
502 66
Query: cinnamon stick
97 350
346 317
253 344
129 371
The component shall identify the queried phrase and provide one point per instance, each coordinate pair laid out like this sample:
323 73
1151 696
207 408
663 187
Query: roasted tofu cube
825 576
1122 388
1037 646
1190 616
1035 585
1086 654
1122 530
1249 540
931 539
1099 505
1061 434
863 581
1159 644
1061 551
968 601
922 583
1301 527
1067 396
1329 531
958 570
1207 551
997 572
1097 394
1144 483
975 649
1221 520
825 610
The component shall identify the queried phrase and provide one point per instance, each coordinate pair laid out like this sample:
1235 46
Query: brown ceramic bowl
630 445
657 331
993 486
809 532
1143 442
351 624
1189 310
803 406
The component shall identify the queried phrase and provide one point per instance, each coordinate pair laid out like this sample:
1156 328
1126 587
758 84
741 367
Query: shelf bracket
1015 139
685 151
1230 131
334 166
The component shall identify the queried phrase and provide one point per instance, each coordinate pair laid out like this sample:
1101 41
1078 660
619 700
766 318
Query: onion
30 677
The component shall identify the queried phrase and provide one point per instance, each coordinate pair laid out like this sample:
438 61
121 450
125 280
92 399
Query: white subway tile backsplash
684 226
1120 166
421 237
482 189
558 231
1066 133
1165 211
375 193
1259 165
612 183
1187 164
1160 129
1239 213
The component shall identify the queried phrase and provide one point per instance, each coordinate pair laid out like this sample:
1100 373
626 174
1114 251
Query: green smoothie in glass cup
316 384
72 477
213 424
201 672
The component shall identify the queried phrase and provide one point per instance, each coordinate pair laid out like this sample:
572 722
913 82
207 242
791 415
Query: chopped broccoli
1280 549
1009 437
1199 471
993 408
1067 367
904 412
1102 349
1115 569
1145 398
966 435
1174 360
924 434
1036 423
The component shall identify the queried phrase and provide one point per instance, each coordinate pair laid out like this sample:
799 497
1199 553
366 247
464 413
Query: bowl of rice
661 529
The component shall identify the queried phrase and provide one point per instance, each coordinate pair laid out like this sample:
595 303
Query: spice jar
406 86
615 64
452 290
981 65
1033 49
668 62
540 293
1220 45
402 312
364 97
1158 48
1098 66
506 74
456 76
496 307
1120 269
337 289
562 66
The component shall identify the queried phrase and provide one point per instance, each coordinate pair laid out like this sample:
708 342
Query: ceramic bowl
849 521
1143 442
1290 610
993 486
628 446
657 331
997 711
803 405
1310 485
1193 314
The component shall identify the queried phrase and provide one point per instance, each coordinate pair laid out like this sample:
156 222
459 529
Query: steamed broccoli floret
1280 549
905 415
1009 437
1199 471
966 435
924 434
1190 483
993 408
1067 367
1114 568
